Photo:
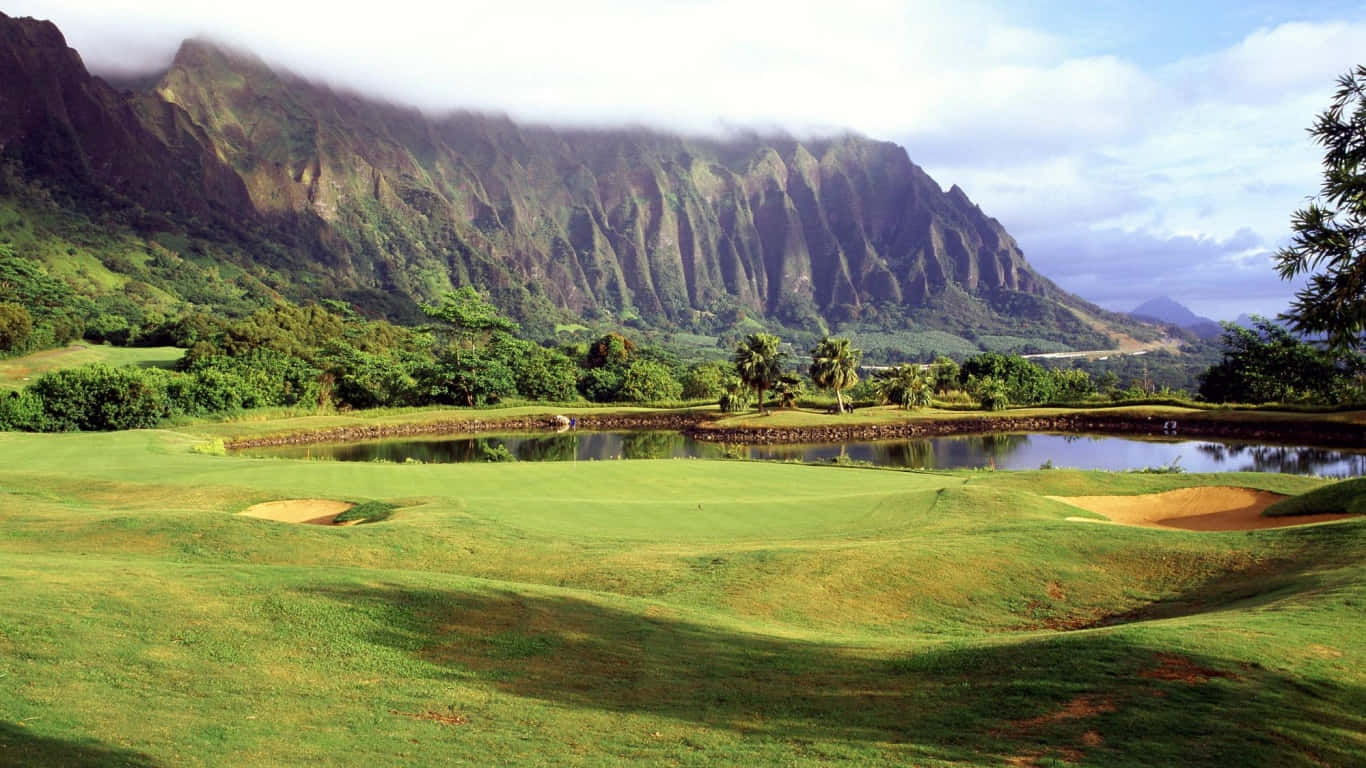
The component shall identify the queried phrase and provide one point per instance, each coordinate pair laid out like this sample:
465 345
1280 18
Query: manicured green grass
681 612
18 372
1345 498
365 512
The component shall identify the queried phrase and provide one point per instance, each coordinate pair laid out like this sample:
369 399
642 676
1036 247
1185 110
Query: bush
705 381
647 381
1024 382
21 412
600 384
100 397
15 327
991 392
546 374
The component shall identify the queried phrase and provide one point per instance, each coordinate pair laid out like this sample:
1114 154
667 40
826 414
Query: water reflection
1002 451
1286 459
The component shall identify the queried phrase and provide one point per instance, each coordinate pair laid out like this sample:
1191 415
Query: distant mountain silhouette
1164 309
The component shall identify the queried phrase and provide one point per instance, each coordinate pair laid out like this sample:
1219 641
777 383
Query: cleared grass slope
592 614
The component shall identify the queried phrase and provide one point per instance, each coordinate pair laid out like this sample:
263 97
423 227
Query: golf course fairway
667 612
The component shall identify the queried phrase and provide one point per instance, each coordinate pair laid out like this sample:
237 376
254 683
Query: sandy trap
1211 508
310 511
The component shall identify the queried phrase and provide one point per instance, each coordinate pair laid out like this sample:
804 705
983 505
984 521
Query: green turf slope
683 612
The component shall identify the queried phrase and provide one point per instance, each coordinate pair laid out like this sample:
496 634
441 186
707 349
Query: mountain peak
372 200
1165 309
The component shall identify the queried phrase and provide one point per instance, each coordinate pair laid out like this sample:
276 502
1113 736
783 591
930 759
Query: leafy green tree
758 360
991 392
908 386
15 326
469 318
466 377
546 375
268 377
365 380
601 385
1024 382
944 371
612 350
1268 363
649 381
834 366
1071 384
707 380
1329 242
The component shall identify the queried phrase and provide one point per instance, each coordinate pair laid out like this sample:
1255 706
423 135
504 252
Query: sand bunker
1212 508
311 511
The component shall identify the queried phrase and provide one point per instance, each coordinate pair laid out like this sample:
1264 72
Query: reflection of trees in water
914 454
559 447
1284 459
977 450
650 445
941 452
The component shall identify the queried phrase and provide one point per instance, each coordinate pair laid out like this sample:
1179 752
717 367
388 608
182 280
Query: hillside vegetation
230 184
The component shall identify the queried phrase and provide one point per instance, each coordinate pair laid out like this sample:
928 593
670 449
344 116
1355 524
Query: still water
1002 451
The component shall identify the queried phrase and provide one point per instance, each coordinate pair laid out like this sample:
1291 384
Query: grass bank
654 612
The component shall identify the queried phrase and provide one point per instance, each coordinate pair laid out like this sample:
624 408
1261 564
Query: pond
1002 451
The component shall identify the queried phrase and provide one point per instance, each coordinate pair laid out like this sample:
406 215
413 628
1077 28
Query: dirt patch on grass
1182 670
309 511
441 718
1080 708
1210 508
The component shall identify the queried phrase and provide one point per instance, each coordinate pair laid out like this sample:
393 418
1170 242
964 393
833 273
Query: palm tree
908 386
834 365
759 363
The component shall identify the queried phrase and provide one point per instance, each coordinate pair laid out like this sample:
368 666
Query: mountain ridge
338 194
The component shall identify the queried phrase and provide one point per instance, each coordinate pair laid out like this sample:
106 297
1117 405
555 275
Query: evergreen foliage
1268 363
1329 244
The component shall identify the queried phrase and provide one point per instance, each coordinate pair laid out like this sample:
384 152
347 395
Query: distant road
1165 342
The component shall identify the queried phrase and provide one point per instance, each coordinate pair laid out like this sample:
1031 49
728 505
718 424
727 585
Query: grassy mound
1344 498
365 512
685 613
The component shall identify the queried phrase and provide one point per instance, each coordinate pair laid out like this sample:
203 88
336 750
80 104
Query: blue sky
1134 149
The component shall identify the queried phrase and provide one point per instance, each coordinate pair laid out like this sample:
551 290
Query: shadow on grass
1102 697
1303 559
21 748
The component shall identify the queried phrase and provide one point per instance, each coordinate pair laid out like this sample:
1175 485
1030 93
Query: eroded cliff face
76 130
381 198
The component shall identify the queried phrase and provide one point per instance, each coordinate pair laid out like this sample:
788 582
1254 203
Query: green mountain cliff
294 189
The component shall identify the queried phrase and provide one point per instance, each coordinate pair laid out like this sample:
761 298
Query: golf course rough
687 613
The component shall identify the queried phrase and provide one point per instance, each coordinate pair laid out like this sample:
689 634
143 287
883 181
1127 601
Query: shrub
600 384
100 397
21 412
705 381
647 381
15 327
546 374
